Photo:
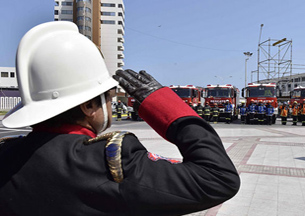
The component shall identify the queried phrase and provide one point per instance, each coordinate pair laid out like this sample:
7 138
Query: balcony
121 56
121 48
120 64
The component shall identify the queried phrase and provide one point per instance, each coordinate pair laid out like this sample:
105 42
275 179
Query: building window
56 3
84 1
87 28
112 22
71 20
120 22
303 78
4 74
66 12
56 12
107 5
120 14
67 3
12 74
120 6
82 9
81 18
297 79
108 13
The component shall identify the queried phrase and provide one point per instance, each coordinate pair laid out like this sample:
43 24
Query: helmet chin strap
105 111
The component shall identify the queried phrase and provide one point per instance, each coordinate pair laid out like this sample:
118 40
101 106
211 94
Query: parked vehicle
189 94
219 94
261 92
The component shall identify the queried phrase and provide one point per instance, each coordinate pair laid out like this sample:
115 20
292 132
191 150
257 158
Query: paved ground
270 160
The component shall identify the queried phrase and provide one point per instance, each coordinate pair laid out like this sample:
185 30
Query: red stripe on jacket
162 107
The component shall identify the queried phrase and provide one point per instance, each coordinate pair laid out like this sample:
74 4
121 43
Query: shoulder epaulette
113 152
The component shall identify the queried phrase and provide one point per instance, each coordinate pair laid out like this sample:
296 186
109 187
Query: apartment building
102 21
9 93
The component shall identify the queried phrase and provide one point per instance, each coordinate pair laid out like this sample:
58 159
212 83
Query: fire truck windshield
300 93
182 92
261 91
218 92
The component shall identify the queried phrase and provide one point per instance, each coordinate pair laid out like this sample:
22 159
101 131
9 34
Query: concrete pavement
270 160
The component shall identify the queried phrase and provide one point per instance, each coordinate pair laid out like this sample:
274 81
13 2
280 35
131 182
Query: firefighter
119 109
302 112
269 112
62 167
260 111
191 105
284 113
295 112
199 110
243 112
207 111
215 113
251 111
228 111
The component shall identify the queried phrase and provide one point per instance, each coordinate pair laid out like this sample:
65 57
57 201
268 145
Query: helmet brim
36 112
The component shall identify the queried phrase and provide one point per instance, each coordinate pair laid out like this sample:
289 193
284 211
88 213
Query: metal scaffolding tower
274 59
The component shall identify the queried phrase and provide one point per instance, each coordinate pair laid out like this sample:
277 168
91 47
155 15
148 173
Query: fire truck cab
188 93
298 94
264 92
219 94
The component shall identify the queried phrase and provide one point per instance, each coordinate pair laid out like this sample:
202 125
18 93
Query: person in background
269 112
228 111
119 109
295 112
251 111
284 113
215 113
207 111
191 105
243 110
68 165
260 111
199 110
302 112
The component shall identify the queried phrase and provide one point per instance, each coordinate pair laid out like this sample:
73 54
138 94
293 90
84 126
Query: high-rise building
102 21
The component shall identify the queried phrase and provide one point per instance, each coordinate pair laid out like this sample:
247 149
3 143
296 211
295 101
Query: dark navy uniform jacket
52 172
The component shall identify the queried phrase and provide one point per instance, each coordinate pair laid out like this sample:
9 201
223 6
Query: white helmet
57 69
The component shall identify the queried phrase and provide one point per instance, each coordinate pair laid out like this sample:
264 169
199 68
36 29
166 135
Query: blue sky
195 42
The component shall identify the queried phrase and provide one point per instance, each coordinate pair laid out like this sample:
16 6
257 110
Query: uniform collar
65 129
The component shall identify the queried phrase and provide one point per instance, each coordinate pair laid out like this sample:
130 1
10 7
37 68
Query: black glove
138 85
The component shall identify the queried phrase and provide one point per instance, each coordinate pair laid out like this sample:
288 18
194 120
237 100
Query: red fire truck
219 94
264 92
298 94
188 93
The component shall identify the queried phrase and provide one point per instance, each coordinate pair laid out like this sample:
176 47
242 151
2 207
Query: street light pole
248 55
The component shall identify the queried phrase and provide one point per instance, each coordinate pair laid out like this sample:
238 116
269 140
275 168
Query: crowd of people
254 113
